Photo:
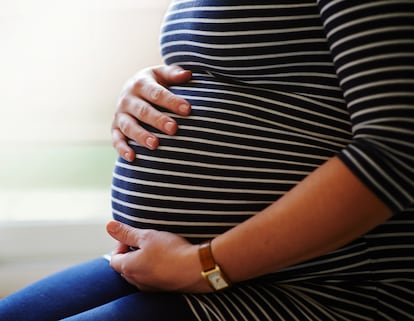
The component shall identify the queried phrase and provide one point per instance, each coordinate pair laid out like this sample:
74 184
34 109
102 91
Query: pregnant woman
266 172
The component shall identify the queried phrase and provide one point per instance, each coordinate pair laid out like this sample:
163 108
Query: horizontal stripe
277 89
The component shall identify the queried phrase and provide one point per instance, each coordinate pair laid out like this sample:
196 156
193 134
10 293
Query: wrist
211 271
194 282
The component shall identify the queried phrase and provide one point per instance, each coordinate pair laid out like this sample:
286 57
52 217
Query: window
62 66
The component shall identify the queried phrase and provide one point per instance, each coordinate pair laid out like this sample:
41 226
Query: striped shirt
278 88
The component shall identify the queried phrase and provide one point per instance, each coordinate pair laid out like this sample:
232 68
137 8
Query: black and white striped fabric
279 87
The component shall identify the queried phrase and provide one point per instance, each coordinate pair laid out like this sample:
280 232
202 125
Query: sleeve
372 45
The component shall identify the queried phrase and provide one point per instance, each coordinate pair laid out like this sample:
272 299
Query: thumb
180 76
172 74
123 233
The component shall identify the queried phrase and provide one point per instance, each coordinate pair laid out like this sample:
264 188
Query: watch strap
211 271
206 256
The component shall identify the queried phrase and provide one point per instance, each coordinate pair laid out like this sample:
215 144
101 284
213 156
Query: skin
293 229
134 103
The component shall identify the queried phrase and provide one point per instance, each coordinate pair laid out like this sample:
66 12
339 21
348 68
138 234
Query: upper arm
372 45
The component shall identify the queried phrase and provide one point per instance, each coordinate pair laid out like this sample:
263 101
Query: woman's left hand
162 262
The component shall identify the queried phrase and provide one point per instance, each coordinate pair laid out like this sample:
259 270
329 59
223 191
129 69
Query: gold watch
211 270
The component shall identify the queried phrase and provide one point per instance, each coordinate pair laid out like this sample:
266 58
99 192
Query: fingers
157 260
119 142
141 111
140 286
121 249
135 107
123 233
125 126
153 92
170 75
125 265
123 260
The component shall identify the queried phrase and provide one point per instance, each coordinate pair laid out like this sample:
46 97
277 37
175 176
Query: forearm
328 209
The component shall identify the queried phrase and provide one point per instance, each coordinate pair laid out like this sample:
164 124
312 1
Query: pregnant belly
238 152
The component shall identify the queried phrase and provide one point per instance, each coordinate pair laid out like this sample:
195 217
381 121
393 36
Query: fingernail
169 126
184 109
150 141
179 72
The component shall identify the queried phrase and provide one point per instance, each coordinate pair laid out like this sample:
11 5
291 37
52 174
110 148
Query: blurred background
62 66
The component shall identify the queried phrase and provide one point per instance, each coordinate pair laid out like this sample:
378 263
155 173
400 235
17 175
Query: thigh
141 306
66 293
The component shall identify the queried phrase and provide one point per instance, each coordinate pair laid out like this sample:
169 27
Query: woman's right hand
146 88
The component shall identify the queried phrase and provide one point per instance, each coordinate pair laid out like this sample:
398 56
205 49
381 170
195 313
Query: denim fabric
91 291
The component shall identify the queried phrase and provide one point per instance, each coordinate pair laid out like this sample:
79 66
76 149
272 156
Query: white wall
63 62
62 65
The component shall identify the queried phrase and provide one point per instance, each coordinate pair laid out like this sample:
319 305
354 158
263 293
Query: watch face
217 281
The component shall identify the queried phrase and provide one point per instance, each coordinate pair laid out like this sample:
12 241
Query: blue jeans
91 291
